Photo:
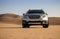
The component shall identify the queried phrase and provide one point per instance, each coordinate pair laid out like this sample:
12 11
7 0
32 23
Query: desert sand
12 31
11 28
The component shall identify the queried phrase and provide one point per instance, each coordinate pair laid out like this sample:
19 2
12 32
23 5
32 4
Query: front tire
45 25
25 25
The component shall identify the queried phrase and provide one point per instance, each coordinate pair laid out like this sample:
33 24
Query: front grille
34 16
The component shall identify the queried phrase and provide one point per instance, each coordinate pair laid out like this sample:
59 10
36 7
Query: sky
52 7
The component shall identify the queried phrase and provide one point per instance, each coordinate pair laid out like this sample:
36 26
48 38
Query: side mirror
24 14
46 13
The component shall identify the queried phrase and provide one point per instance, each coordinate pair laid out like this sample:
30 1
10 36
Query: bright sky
52 7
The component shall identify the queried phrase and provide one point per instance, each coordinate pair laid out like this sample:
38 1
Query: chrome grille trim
34 16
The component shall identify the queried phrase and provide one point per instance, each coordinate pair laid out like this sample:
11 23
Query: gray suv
35 17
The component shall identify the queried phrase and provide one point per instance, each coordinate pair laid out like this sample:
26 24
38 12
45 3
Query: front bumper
35 22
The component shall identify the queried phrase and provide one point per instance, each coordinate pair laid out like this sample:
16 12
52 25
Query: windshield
35 11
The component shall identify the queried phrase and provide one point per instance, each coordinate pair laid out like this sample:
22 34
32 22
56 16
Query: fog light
43 22
26 20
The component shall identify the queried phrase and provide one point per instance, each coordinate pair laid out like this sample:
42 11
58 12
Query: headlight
24 17
45 17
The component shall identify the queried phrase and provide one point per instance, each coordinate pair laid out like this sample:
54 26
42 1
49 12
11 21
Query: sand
13 31
11 28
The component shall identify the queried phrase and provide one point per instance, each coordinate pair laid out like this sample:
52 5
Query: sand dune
16 19
54 20
10 18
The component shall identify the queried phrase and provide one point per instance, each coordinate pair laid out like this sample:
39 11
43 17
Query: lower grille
34 21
